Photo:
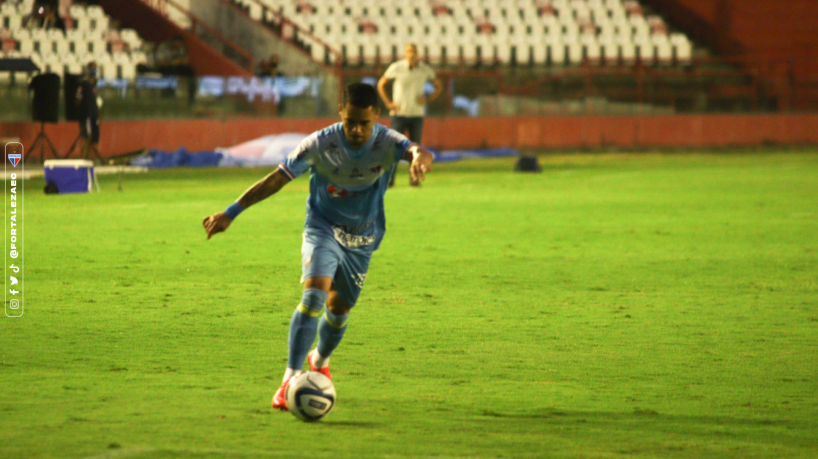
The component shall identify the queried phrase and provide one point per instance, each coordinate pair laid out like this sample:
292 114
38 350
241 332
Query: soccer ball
310 396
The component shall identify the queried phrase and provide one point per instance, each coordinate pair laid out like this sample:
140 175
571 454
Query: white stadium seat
566 33
574 52
95 11
26 47
77 11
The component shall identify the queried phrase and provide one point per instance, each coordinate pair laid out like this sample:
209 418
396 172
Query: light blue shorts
323 256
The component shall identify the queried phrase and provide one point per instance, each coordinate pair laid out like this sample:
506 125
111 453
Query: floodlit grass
613 306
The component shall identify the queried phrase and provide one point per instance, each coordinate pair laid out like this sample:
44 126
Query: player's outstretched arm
260 191
421 162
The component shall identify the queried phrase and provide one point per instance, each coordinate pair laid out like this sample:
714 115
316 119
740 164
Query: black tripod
86 148
41 140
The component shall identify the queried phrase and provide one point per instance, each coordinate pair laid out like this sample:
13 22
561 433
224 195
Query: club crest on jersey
376 170
336 192
15 159
355 174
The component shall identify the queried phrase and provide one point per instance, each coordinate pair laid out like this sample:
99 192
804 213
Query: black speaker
527 164
70 88
46 102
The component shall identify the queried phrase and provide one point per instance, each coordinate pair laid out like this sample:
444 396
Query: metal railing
295 34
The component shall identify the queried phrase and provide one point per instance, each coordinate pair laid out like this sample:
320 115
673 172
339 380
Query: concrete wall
153 26
253 37
770 28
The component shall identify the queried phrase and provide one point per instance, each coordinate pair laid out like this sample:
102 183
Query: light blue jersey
347 185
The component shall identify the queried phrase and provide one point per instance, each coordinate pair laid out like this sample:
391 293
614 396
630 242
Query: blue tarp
456 155
180 157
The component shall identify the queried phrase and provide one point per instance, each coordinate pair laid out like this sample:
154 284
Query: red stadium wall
689 131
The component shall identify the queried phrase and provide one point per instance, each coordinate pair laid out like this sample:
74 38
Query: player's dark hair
361 95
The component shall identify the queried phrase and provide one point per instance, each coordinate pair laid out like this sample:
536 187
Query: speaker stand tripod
42 140
86 148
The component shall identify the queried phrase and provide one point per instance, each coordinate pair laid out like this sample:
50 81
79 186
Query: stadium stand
88 36
486 32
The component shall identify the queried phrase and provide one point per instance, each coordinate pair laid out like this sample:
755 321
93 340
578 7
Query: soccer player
350 164
407 105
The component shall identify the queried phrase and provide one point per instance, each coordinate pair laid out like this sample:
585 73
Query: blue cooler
70 175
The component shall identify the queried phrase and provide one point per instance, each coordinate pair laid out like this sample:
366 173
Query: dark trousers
413 125
89 128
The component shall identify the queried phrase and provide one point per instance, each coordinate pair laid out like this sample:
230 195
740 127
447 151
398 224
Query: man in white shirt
408 103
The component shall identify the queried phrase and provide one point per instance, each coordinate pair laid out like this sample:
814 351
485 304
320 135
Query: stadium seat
352 51
39 34
107 69
77 11
664 50
52 64
609 49
128 71
594 29
646 50
71 64
504 47
13 22
574 52
21 34
370 54
592 50
627 50
555 49
94 11
62 46
682 50
25 46
8 9
138 57
311 45
468 51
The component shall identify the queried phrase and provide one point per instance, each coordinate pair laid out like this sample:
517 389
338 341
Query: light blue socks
331 330
304 325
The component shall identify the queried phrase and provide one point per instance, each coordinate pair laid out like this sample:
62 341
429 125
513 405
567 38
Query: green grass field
640 305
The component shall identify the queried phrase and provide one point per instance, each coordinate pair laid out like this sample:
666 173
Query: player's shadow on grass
361 424
638 414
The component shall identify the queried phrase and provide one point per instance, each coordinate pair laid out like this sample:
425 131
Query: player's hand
216 223
420 166
392 106
422 100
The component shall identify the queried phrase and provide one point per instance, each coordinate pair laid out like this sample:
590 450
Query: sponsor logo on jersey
351 241
336 192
